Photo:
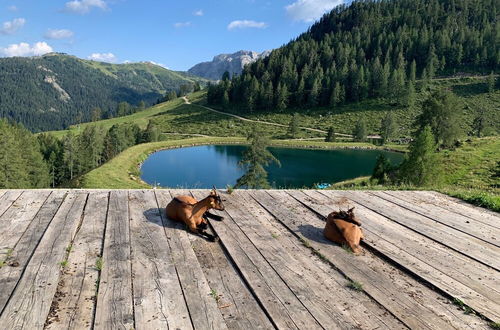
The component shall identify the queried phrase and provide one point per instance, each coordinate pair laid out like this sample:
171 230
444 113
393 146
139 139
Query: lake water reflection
204 166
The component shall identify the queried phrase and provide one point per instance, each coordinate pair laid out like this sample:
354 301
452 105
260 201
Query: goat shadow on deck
316 234
158 217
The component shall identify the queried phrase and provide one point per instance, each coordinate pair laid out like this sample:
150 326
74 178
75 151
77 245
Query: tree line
27 161
369 49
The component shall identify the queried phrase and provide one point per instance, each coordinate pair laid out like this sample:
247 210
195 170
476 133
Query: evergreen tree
96 114
413 72
479 124
441 113
70 153
152 133
330 136
254 159
335 98
381 170
122 109
294 126
281 97
421 166
411 96
21 162
360 132
388 127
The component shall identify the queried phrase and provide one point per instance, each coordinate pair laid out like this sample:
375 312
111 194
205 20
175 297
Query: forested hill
370 49
56 90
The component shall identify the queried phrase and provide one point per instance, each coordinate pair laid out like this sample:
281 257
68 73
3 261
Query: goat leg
213 216
210 237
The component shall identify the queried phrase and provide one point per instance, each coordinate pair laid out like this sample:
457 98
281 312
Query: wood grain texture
459 241
238 307
77 287
114 309
202 307
306 274
158 299
458 206
279 300
378 285
7 199
21 254
29 305
453 220
18 217
475 284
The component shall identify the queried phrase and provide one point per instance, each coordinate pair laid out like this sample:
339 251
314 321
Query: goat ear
350 210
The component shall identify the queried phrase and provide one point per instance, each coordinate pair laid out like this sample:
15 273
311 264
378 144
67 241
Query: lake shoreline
123 171
156 179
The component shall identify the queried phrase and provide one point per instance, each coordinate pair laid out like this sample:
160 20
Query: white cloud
246 24
12 8
103 57
25 49
58 34
84 6
198 13
310 10
11 27
179 25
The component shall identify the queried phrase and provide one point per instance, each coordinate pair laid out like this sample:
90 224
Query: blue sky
175 34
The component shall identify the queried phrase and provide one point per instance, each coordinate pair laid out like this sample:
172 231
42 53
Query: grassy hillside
56 90
472 94
470 172
177 117
178 120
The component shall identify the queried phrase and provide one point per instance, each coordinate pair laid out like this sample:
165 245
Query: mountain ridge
56 90
232 63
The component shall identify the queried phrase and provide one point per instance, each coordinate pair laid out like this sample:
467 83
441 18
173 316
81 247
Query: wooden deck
111 260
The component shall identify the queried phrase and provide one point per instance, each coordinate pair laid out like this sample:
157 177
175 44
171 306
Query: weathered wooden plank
454 220
29 305
272 293
158 299
114 309
8 199
20 255
18 217
376 282
279 301
306 275
472 247
75 302
456 205
237 305
477 285
202 307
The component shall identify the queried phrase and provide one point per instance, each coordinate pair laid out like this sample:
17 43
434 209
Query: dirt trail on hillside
186 100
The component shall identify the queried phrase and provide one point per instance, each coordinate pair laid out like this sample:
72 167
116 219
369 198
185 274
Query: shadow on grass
470 89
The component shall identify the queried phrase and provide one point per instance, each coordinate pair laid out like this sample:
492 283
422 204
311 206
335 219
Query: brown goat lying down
194 214
342 227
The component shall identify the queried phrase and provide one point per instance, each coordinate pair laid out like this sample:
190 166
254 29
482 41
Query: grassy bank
470 172
122 172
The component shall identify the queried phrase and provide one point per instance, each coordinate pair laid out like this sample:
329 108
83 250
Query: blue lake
204 166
